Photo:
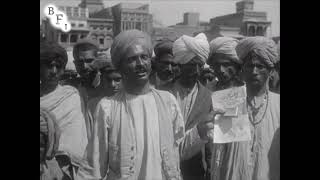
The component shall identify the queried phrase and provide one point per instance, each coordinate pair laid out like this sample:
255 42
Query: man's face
110 82
224 69
165 68
206 76
50 72
83 64
136 65
190 71
256 72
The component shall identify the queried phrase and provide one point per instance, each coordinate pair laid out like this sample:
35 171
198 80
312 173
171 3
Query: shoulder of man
166 95
70 89
107 101
274 96
274 99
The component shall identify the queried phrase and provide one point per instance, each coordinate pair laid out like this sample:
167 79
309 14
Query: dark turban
84 44
127 39
163 47
261 46
50 129
53 51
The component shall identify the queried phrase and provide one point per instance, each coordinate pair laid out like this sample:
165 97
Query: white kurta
144 114
185 99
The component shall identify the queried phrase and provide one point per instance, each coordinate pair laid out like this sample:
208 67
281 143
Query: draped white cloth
65 104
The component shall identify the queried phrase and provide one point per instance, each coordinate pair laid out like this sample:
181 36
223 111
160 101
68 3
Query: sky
170 12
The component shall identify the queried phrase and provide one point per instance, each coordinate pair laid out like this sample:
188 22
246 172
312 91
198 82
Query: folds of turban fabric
49 127
126 39
261 46
52 50
186 48
163 47
225 46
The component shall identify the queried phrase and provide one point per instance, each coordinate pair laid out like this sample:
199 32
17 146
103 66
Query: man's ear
271 71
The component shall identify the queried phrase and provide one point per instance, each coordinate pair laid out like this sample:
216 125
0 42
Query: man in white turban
191 53
224 60
258 158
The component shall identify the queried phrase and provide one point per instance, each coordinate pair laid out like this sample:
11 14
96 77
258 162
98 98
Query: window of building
260 31
69 13
82 36
251 31
94 37
63 38
101 41
81 25
73 38
61 8
138 26
82 12
73 24
76 12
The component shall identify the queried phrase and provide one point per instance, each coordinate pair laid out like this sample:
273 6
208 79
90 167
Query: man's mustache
140 69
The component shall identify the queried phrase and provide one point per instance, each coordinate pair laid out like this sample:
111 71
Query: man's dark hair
53 51
84 45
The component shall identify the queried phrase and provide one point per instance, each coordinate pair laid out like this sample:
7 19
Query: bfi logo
58 19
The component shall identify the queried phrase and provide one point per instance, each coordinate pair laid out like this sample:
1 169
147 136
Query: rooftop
132 5
103 14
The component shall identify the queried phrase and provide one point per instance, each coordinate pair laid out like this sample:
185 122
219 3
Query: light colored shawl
65 104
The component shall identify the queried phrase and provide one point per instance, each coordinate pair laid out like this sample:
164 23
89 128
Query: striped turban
261 46
126 39
186 48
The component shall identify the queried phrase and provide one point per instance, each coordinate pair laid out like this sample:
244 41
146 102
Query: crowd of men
144 112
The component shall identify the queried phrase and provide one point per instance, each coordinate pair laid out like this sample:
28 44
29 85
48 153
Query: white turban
186 48
262 46
225 46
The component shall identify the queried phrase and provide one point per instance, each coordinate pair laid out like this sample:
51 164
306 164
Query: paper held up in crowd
234 125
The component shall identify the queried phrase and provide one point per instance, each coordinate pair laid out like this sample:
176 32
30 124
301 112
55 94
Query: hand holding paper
234 124
206 126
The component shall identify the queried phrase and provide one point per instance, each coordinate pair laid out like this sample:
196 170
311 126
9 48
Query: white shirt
144 114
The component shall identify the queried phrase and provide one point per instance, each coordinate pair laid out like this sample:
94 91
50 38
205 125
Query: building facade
245 22
190 26
97 26
77 16
131 16
101 27
92 5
